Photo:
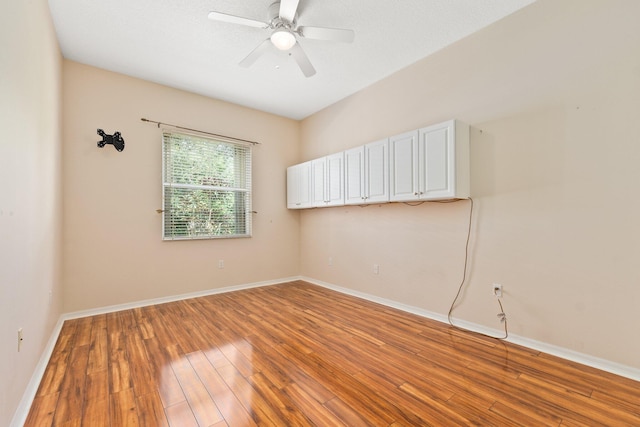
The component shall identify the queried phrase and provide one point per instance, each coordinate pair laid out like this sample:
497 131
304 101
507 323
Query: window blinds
206 188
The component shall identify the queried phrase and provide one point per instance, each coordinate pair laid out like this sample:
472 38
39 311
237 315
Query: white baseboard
162 300
22 411
585 359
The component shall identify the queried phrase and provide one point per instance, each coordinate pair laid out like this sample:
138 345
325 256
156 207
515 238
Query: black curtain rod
199 131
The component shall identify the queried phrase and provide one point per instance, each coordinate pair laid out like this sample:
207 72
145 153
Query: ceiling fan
282 20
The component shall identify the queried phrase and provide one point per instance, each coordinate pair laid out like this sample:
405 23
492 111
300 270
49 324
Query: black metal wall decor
115 140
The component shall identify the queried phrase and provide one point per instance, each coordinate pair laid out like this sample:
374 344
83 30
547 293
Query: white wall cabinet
367 173
299 186
403 171
431 163
328 180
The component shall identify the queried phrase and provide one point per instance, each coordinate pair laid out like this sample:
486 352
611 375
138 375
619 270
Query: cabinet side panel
462 155
292 187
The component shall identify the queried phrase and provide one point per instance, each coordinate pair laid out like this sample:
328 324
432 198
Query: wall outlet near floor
220 263
330 261
19 339
376 269
497 290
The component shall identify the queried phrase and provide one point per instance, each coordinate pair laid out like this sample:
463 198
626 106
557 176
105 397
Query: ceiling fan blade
224 17
333 34
255 54
288 9
303 60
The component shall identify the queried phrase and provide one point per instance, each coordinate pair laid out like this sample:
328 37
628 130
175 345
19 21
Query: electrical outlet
497 290
376 269
19 339
330 261
220 263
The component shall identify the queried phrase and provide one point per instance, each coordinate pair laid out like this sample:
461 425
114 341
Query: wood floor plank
525 416
58 363
594 409
150 411
119 372
98 352
226 401
83 331
201 403
143 316
73 388
168 386
299 354
123 410
317 413
52 378
180 415
96 402
279 402
261 411
475 407
348 415
42 410
142 378
406 407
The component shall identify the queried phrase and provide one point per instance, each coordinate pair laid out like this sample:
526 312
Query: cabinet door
334 182
437 161
299 186
377 171
403 169
354 176
319 181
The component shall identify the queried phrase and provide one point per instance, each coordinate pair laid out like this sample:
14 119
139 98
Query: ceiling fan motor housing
276 21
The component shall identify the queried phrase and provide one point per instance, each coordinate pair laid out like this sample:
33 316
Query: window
206 188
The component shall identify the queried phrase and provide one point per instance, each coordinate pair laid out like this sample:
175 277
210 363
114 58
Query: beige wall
30 190
113 252
553 97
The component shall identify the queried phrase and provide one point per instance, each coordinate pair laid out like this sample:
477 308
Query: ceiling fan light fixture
283 39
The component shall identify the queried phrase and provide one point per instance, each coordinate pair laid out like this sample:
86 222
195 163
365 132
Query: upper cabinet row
431 163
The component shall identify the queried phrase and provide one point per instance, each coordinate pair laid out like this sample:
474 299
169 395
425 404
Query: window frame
244 161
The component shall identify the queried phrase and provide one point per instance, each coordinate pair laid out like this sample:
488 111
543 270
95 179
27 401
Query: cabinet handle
416 194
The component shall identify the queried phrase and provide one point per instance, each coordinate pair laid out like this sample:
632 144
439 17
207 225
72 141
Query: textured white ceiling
173 43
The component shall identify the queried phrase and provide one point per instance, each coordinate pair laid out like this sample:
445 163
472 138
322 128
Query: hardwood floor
298 354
